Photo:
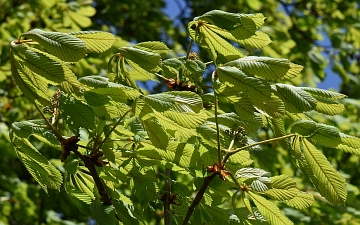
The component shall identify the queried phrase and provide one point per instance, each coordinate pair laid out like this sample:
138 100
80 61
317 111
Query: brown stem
167 198
198 197
89 163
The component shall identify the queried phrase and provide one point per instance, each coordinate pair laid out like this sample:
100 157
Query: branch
167 198
230 153
198 197
217 131
89 163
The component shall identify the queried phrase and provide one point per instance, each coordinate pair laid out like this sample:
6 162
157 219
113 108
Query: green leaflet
142 71
282 188
271 107
37 165
109 111
25 85
104 215
65 46
47 66
233 121
77 113
125 212
179 101
326 100
253 87
266 67
182 154
156 134
327 135
187 120
171 67
173 127
96 41
219 48
143 184
295 99
301 201
153 46
147 60
80 199
38 129
244 217
271 213
40 63
259 40
330 182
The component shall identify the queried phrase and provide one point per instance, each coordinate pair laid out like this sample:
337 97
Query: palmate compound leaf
64 46
271 212
327 135
37 164
48 66
216 46
295 99
266 67
103 214
330 183
240 28
178 101
96 41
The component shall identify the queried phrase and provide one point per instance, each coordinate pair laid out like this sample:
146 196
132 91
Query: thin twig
198 197
56 133
230 153
112 129
217 131
189 48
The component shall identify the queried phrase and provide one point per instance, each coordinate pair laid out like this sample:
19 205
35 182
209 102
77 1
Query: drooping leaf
330 182
95 41
125 212
266 67
64 46
103 214
80 199
37 165
31 92
182 154
143 184
271 107
271 213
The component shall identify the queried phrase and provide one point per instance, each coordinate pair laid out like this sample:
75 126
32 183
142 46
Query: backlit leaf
96 41
65 46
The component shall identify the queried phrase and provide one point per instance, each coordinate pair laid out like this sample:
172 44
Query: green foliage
128 155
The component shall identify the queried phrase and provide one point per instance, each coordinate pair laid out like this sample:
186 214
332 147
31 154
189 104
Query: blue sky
331 80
